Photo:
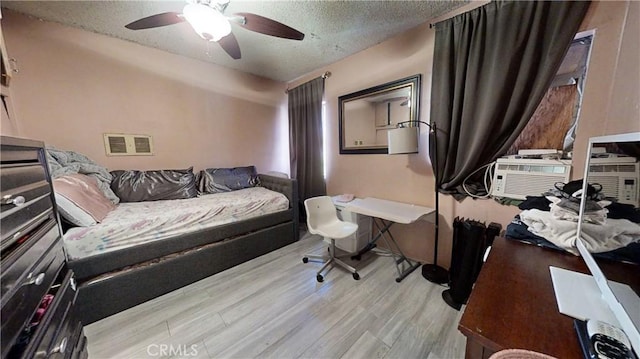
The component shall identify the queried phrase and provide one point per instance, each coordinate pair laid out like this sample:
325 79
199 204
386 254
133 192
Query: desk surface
390 210
513 303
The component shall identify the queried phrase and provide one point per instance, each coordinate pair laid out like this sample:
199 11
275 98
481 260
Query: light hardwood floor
272 307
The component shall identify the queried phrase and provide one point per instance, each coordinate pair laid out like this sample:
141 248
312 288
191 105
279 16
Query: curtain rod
325 75
433 24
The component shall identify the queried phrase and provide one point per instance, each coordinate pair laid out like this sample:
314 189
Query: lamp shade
403 140
210 24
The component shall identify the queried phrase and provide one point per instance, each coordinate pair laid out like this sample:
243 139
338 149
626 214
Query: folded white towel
614 234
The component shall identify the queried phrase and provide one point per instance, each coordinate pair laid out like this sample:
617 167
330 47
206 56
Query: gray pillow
138 186
216 180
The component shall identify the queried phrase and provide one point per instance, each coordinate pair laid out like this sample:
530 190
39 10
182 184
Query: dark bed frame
112 282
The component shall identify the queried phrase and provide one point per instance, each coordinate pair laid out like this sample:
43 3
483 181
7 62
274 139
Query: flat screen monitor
612 163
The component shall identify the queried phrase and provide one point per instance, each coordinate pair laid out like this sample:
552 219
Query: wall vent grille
117 144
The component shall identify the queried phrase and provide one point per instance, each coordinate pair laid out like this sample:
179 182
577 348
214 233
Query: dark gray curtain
305 138
491 68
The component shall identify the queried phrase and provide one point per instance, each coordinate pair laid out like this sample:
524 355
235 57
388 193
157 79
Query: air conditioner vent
603 168
619 180
128 145
559 169
518 178
610 184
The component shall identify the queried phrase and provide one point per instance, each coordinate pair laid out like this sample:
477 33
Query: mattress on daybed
135 224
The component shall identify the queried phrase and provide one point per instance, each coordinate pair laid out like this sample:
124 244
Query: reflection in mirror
612 176
610 215
614 166
366 116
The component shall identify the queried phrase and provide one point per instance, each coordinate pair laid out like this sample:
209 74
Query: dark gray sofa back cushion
216 180
138 186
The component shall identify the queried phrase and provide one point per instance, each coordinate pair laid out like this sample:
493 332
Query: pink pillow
83 191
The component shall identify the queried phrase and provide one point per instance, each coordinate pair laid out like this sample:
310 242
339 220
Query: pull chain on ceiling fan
208 20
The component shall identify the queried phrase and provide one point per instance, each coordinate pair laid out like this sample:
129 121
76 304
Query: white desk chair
322 219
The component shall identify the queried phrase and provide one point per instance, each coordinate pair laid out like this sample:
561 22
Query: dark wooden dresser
38 317
513 305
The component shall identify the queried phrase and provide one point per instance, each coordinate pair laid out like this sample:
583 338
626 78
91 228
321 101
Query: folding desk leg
398 259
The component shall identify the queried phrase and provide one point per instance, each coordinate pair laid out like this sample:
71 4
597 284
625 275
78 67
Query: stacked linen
610 230
597 237
559 223
608 226
569 209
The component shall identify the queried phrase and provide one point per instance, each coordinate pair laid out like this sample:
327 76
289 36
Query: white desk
389 210
385 213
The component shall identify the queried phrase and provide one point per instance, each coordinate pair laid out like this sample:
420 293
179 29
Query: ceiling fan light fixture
207 22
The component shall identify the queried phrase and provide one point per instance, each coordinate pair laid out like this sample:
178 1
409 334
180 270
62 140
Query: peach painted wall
75 85
409 178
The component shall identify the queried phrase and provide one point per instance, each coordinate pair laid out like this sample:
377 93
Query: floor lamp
405 140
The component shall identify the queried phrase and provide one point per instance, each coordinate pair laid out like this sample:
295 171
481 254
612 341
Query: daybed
135 268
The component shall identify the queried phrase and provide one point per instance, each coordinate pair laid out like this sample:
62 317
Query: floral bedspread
131 224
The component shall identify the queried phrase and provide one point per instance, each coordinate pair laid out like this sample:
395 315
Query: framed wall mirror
365 116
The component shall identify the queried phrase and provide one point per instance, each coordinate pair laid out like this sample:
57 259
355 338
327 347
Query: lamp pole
433 272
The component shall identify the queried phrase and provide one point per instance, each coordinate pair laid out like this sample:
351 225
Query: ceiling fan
208 20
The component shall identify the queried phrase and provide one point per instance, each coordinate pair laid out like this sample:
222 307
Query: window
553 125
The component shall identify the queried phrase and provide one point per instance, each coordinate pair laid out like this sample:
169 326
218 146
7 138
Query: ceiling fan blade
164 19
230 45
267 26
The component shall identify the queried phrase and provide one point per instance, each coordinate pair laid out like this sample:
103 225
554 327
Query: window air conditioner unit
518 178
618 176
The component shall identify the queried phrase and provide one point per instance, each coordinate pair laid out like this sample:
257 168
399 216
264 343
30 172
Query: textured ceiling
333 29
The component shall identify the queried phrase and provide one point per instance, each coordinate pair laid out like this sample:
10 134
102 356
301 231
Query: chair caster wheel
305 260
356 276
320 278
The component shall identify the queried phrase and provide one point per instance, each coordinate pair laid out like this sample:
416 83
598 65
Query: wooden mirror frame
413 83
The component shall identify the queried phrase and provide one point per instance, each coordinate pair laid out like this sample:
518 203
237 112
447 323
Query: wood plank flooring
272 307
